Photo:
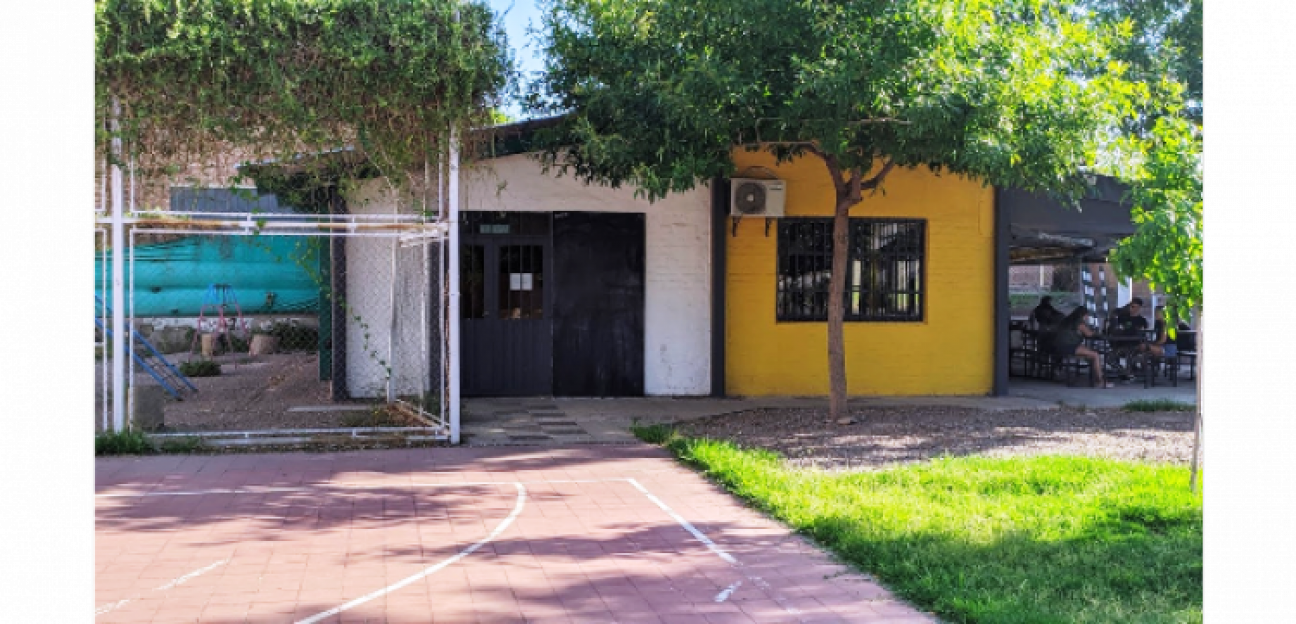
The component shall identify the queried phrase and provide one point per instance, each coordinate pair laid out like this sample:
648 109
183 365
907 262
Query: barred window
884 280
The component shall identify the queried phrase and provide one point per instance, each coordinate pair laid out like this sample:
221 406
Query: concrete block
263 344
211 346
147 405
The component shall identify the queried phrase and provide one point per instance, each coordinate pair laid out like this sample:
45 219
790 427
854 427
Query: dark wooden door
598 304
506 320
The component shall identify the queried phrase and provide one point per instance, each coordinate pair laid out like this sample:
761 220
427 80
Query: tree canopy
1166 44
275 78
1015 93
657 93
1167 248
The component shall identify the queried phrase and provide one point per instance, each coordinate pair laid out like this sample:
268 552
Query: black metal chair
1167 364
1025 352
1186 343
1072 366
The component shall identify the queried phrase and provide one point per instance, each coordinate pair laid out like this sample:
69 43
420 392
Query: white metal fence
305 324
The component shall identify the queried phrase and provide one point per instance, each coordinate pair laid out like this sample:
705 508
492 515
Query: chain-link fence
286 327
103 323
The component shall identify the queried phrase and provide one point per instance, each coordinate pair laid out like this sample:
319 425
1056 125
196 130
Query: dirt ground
883 436
255 392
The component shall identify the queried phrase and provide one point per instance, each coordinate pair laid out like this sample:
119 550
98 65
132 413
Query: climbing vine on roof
274 79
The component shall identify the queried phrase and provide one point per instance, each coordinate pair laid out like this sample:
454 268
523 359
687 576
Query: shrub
129 442
293 337
200 368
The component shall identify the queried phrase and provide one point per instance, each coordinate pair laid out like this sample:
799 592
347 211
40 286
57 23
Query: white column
444 311
118 280
452 273
391 319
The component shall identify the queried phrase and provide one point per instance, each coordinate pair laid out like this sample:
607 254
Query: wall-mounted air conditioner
756 198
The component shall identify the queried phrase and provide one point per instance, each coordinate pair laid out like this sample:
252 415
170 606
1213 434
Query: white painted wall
677 315
369 270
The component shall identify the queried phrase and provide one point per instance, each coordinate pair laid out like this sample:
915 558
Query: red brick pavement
288 537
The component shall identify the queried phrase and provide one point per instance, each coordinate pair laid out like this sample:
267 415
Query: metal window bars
885 263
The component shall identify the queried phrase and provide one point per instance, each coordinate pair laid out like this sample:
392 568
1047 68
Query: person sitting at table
1069 340
1044 314
1128 320
1161 345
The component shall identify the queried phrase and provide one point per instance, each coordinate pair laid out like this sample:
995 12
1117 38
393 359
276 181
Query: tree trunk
837 311
1197 429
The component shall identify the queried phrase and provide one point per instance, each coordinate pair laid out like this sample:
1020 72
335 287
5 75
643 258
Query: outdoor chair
1022 350
1186 341
1044 364
1167 364
1071 367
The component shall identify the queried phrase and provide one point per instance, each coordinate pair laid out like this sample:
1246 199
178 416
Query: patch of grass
654 434
129 442
200 368
1043 539
136 442
1158 405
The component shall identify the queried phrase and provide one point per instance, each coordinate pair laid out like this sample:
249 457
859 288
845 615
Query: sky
518 15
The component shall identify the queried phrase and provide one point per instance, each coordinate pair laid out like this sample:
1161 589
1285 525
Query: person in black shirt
1044 314
1125 332
1127 320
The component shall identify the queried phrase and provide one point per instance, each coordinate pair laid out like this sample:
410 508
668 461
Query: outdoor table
1124 350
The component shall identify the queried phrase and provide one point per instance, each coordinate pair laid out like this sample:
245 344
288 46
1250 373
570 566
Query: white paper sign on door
520 281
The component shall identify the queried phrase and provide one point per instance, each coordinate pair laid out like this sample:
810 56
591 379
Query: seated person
1162 346
1127 320
1069 340
1044 314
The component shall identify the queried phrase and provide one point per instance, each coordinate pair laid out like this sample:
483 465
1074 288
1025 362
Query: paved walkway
546 420
613 533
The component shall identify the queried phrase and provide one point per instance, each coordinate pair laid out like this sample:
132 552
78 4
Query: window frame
783 255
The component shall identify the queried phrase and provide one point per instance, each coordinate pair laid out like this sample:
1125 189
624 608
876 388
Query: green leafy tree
1166 43
657 94
1166 249
1166 198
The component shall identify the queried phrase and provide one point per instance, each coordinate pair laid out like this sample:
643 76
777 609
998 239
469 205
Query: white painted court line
199 572
756 580
517 509
685 523
697 534
176 581
728 591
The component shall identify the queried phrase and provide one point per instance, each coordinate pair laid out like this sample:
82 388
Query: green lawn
1053 539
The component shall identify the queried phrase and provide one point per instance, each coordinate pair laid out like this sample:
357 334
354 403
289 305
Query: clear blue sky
518 15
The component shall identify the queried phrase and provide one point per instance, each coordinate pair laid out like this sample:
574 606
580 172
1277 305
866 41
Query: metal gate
505 307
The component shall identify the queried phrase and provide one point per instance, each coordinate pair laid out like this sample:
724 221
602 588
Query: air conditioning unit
756 198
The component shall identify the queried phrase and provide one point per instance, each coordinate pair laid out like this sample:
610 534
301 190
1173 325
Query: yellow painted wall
949 352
